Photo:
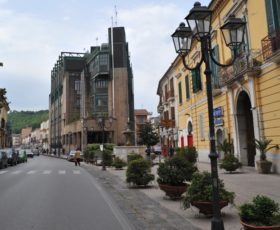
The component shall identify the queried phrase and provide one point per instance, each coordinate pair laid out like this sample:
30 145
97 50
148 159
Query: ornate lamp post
199 28
101 121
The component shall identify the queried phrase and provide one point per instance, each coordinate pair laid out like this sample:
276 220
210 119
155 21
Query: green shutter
198 79
270 16
180 93
194 83
187 87
214 68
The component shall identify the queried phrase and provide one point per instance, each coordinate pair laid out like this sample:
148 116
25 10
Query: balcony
247 64
169 96
271 47
167 123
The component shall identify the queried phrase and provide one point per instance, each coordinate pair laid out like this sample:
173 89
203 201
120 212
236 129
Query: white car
29 153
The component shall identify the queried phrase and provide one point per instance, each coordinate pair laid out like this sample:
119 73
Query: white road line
76 172
61 172
2 172
32 172
16 172
47 172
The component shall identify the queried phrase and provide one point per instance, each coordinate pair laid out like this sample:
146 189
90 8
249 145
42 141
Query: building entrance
245 130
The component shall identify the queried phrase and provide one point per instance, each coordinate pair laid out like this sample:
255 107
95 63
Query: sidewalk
246 184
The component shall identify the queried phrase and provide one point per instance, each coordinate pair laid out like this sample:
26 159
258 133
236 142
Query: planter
173 191
264 166
253 227
206 207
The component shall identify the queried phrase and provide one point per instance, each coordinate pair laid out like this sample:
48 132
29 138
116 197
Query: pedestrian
77 157
148 153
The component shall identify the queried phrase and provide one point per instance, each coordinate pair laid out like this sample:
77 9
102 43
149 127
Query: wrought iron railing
246 62
271 44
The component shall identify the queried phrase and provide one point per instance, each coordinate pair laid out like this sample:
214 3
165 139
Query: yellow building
246 96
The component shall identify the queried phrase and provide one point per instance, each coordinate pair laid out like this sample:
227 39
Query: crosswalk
41 172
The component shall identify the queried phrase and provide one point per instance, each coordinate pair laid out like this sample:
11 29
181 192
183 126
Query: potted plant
138 172
173 174
264 165
200 193
261 213
230 163
119 163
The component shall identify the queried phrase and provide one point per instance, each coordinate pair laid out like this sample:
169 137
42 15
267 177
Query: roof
138 112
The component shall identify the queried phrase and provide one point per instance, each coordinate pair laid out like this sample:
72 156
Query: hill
23 119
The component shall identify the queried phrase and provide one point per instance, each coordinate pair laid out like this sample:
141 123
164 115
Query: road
53 194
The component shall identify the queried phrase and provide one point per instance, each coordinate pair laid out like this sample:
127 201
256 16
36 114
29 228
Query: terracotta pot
253 227
173 191
264 166
206 207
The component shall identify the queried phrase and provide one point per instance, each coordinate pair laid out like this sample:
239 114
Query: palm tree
263 147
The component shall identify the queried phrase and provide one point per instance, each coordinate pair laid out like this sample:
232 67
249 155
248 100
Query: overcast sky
34 32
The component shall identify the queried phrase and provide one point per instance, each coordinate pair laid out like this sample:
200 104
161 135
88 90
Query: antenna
116 16
96 39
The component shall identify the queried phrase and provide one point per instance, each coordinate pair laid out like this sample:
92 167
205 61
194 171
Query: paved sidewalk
246 183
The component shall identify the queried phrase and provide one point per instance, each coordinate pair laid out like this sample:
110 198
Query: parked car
36 152
12 156
22 157
71 156
156 149
29 153
3 159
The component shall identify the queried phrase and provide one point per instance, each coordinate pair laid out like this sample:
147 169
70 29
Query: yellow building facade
246 95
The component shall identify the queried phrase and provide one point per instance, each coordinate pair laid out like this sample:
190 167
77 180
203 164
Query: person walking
77 157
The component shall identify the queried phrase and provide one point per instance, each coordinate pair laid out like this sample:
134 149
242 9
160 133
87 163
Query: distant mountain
23 119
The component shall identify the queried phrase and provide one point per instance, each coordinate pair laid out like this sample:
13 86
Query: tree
148 135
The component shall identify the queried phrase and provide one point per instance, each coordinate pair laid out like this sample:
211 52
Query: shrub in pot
261 213
230 163
172 175
133 156
264 166
200 193
189 153
107 157
119 163
138 172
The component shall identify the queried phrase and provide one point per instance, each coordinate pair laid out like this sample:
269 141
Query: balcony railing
246 63
271 44
169 95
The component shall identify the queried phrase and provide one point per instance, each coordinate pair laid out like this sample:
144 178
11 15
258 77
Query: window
273 15
78 86
180 92
101 84
200 126
215 68
196 80
187 87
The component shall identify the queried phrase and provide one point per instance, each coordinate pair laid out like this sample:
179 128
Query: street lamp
101 121
199 28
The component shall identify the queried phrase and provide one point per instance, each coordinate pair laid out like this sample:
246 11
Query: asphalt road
53 194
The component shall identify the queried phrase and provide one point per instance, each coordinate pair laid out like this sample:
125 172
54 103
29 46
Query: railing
245 63
169 94
271 44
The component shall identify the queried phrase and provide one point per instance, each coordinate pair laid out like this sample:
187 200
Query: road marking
47 172
61 172
76 172
31 172
2 172
16 172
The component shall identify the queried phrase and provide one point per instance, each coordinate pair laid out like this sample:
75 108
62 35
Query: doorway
245 126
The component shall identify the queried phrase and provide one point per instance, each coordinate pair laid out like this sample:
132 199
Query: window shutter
187 87
194 83
269 15
198 79
180 92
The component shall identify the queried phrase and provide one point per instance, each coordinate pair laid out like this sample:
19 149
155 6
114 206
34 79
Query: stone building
91 96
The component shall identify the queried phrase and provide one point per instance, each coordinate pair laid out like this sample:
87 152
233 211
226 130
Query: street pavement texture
148 208
53 194
142 211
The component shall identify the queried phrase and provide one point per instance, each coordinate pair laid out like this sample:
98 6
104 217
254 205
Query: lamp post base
217 224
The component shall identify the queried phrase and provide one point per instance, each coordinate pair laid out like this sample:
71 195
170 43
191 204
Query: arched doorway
245 130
